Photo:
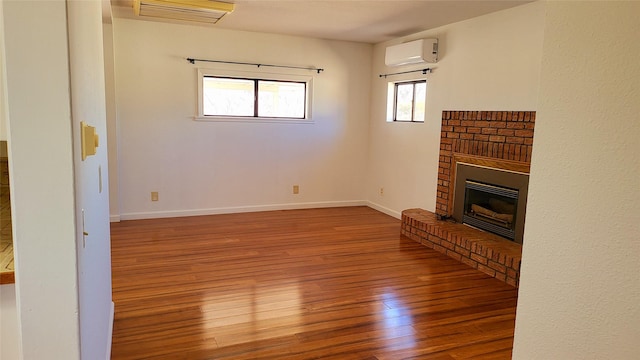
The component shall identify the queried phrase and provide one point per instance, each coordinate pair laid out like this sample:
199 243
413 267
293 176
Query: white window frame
391 101
204 72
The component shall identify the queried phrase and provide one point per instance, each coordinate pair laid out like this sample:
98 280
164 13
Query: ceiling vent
413 52
204 11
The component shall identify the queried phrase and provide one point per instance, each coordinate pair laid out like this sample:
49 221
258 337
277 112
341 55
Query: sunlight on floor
397 323
275 307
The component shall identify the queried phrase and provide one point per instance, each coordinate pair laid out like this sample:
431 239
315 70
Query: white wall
9 326
3 106
87 79
580 280
211 167
3 115
487 63
112 119
42 178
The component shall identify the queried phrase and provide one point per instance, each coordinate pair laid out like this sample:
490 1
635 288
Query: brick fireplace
495 140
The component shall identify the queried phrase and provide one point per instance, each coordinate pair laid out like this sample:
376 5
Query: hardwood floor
337 283
6 237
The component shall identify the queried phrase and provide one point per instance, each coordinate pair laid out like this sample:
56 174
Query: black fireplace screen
491 208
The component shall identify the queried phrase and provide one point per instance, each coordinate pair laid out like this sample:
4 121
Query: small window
228 97
281 99
409 100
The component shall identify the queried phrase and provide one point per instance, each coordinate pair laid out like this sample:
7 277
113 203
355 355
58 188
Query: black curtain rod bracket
318 70
424 71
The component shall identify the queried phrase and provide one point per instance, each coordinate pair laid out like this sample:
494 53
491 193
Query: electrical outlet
154 196
381 191
296 189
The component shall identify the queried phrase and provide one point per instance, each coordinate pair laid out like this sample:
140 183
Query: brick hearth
489 253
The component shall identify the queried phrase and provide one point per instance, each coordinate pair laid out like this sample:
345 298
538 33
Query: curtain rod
424 71
318 70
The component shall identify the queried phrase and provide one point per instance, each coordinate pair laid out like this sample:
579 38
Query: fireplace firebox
490 207
491 199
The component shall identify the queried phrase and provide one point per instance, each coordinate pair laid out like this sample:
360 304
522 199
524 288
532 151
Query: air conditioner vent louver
205 11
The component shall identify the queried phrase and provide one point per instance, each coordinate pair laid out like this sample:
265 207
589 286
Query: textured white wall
580 280
3 105
487 63
42 178
209 167
9 327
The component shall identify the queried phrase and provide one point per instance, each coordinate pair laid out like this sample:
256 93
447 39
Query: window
407 100
240 97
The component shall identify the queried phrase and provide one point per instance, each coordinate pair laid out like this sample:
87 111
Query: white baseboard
238 209
114 218
112 319
382 209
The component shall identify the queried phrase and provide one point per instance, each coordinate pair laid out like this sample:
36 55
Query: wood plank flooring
339 283
6 237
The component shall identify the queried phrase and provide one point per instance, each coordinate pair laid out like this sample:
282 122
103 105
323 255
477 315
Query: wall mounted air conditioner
413 52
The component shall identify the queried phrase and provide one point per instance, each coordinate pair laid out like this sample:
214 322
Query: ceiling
371 21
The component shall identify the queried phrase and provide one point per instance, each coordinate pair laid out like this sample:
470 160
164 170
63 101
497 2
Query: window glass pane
421 95
404 102
225 96
281 99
